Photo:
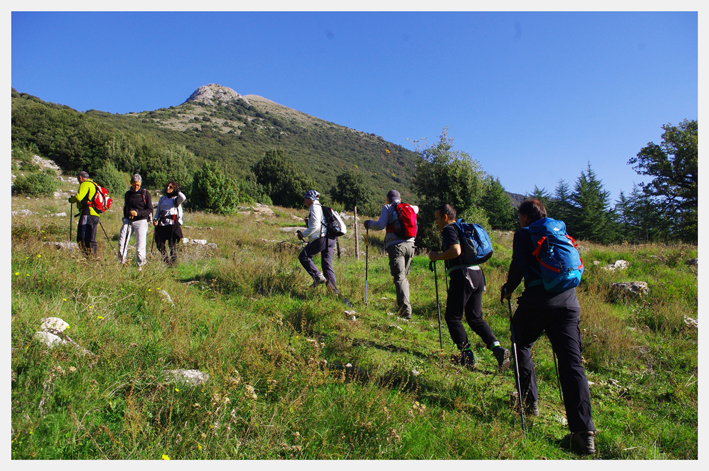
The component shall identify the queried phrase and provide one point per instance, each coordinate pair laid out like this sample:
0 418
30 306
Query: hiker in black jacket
137 213
540 310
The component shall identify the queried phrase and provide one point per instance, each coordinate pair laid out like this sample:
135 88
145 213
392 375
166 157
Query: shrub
111 178
38 184
214 192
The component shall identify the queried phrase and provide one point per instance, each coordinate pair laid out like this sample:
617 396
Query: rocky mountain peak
212 94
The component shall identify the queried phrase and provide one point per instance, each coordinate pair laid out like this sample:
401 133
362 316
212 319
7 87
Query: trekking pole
514 355
71 222
125 243
432 267
104 233
558 381
366 267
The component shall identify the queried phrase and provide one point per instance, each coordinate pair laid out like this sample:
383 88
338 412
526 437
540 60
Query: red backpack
404 225
101 201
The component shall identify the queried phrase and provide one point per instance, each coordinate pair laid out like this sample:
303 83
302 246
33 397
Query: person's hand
133 213
504 294
366 224
299 234
155 222
433 255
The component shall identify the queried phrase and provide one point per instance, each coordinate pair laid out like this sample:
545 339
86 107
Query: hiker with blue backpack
545 256
466 287
399 220
320 241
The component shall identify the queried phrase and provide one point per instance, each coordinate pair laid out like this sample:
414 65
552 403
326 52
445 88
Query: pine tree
593 219
498 205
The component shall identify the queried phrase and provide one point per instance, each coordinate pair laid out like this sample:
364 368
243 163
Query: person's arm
180 198
381 223
452 252
83 191
518 265
314 221
147 210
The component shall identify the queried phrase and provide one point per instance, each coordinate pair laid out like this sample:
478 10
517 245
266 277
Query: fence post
356 234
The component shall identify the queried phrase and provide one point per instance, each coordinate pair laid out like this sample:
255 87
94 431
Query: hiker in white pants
137 213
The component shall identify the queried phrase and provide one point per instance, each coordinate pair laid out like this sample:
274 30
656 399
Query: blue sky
532 96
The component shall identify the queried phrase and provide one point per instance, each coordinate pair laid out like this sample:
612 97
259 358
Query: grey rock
618 265
693 262
63 245
630 288
192 377
49 339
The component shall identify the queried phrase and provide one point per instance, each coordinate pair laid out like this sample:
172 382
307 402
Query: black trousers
86 234
325 247
171 234
561 324
466 299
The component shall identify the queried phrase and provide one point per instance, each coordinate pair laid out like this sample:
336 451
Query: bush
38 184
214 192
108 176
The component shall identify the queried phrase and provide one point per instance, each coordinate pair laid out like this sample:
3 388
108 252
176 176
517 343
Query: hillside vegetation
293 376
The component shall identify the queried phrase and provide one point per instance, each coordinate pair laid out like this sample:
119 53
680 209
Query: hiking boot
403 314
317 282
466 359
583 443
503 358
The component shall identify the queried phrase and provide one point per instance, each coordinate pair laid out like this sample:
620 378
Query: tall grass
291 376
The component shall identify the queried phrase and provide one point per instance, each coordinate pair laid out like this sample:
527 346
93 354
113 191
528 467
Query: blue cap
311 195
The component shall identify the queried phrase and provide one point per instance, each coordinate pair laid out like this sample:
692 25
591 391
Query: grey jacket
386 217
316 223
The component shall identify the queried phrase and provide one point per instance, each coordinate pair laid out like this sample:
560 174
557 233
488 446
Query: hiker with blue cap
319 242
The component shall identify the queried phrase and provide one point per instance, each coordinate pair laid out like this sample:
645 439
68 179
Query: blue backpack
559 260
475 243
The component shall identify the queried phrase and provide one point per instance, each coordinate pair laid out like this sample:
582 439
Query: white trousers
141 235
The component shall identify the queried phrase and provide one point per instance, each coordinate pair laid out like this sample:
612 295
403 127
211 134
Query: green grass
243 314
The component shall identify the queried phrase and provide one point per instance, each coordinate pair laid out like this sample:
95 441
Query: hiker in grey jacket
168 221
400 251
319 242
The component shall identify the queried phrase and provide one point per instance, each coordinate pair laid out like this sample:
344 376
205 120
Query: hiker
400 250
557 313
319 242
465 293
168 222
137 212
88 217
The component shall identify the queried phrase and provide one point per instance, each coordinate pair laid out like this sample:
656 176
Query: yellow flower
63 299
165 457
177 390
91 307
17 273
28 274
149 290
199 447
39 255
100 317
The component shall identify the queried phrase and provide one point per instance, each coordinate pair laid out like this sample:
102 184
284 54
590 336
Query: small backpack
559 260
334 223
405 225
476 244
101 201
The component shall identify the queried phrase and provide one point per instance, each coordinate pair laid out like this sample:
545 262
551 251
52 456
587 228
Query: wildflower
149 290
17 273
67 327
28 274
39 255
165 457
91 307
100 317
199 447
63 299
177 390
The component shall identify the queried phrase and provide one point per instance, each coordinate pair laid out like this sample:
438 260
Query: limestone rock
192 377
49 339
53 324
618 265
63 245
214 94
693 262
22 212
57 215
691 322
630 288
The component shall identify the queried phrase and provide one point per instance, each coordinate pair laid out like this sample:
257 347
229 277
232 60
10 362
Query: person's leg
565 339
141 236
397 267
124 239
527 328
81 234
458 295
91 234
474 312
160 241
175 238
326 262
306 257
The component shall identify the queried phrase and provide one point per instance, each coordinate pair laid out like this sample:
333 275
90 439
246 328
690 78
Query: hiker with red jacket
137 212
557 313
88 217
400 250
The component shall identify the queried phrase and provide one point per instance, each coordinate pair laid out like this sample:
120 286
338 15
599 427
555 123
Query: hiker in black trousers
558 314
168 223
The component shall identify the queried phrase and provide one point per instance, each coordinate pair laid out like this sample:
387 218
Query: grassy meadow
292 376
